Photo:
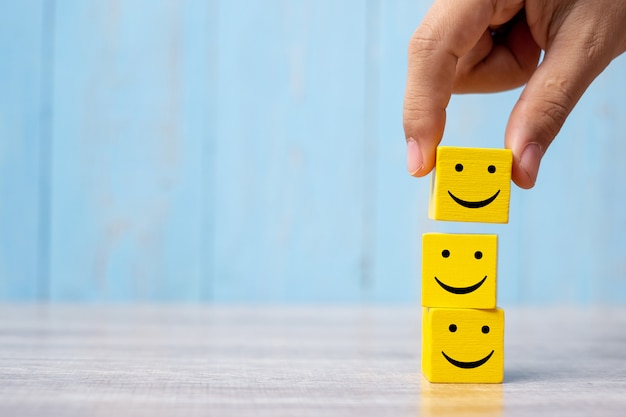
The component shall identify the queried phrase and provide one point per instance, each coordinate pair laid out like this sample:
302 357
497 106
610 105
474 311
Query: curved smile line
467 365
474 204
461 290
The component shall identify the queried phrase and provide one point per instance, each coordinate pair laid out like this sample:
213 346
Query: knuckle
424 40
554 114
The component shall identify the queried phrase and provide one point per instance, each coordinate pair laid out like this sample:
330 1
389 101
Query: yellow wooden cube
463 345
459 270
471 185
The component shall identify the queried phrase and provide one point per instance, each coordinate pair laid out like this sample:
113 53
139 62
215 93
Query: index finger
449 30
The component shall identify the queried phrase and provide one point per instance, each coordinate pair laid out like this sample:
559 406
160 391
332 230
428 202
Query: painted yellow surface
463 345
459 270
471 185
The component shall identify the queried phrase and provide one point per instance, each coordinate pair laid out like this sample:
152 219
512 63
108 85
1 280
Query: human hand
494 45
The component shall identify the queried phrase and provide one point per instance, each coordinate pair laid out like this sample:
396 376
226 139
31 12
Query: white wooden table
293 361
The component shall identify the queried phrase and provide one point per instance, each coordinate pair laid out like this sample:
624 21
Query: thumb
569 67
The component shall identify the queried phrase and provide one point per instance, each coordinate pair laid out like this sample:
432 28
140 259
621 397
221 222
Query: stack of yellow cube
462 327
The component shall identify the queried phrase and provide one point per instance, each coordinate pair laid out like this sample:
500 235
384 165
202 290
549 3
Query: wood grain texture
229 151
462 345
227 361
25 46
132 207
459 270
291 168
401 200
471 185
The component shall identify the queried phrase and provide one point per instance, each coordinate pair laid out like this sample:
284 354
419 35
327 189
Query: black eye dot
491 169
445 253
452 328
485 329
478 254
459 167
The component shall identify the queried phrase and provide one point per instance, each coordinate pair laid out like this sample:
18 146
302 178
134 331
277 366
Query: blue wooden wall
252 151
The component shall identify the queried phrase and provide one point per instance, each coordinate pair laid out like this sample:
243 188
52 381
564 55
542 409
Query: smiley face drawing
459 270
471 185
463 345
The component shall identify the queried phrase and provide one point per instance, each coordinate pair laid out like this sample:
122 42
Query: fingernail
530 160
414 158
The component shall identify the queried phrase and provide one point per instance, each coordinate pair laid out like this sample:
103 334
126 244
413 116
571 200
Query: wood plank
401 201
290 175
134 96
25 30
198 360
